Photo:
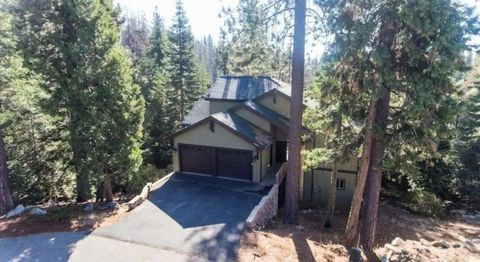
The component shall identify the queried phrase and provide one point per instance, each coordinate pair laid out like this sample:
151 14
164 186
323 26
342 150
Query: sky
202 14
204 17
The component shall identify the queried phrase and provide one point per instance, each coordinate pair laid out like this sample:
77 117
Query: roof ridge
248 76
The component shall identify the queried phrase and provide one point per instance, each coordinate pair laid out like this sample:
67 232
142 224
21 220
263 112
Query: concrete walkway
186 219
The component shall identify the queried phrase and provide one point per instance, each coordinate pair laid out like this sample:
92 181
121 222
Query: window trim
338 183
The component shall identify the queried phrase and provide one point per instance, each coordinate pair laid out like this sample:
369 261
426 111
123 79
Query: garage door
234 163
197 159
224 162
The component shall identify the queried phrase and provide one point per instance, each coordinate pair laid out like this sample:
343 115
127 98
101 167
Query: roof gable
267 114
238 126
270 115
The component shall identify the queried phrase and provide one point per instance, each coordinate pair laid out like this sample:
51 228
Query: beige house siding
254 119
277 103
314 185
317 182
202 135
350 165
318 194
221 106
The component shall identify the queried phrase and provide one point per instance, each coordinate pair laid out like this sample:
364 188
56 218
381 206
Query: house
239 130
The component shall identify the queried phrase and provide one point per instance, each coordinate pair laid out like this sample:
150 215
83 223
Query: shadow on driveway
189 218
190 215
39 247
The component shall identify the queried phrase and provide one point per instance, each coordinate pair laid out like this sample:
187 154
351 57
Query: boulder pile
400 250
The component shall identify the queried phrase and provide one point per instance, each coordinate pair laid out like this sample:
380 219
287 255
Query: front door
281 152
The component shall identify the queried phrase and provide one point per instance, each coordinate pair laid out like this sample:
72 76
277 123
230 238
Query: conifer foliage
75 47
399 59
183 69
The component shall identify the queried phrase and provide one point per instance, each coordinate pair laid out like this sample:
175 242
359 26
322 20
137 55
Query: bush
146 174
424 203
436 176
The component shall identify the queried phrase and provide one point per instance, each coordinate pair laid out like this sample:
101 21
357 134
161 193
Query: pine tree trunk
107 188
83 187
294 135
367 236
182 103
6 202
82 177
352 224
332 196
333 180
369 223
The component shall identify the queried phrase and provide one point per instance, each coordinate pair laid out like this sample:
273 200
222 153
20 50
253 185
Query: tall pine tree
402 56
183 69
75 46
154 79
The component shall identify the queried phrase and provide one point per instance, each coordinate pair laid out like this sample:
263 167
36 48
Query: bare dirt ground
61 218
312 242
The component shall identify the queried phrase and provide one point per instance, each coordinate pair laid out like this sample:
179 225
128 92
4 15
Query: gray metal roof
272 116
241 87
199 111
259 137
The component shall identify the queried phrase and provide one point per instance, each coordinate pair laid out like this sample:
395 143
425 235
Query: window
341 183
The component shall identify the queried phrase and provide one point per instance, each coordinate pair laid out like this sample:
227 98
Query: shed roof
241 87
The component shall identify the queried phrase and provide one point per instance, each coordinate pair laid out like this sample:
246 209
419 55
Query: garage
216 161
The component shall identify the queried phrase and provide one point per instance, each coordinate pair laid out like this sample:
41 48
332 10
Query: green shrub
146 174
424 203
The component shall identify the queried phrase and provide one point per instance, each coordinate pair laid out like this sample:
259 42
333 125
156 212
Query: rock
89 208
389 253
394 258
390 247
136 201
470 246
29 208
16 211
442 244
300 227
112 205
38 211
456 245
145 191
384 259
476 241
458 211
469 217
397 241
88 222
424 242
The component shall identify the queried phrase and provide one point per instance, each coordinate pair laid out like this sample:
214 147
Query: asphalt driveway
189 218
192 217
